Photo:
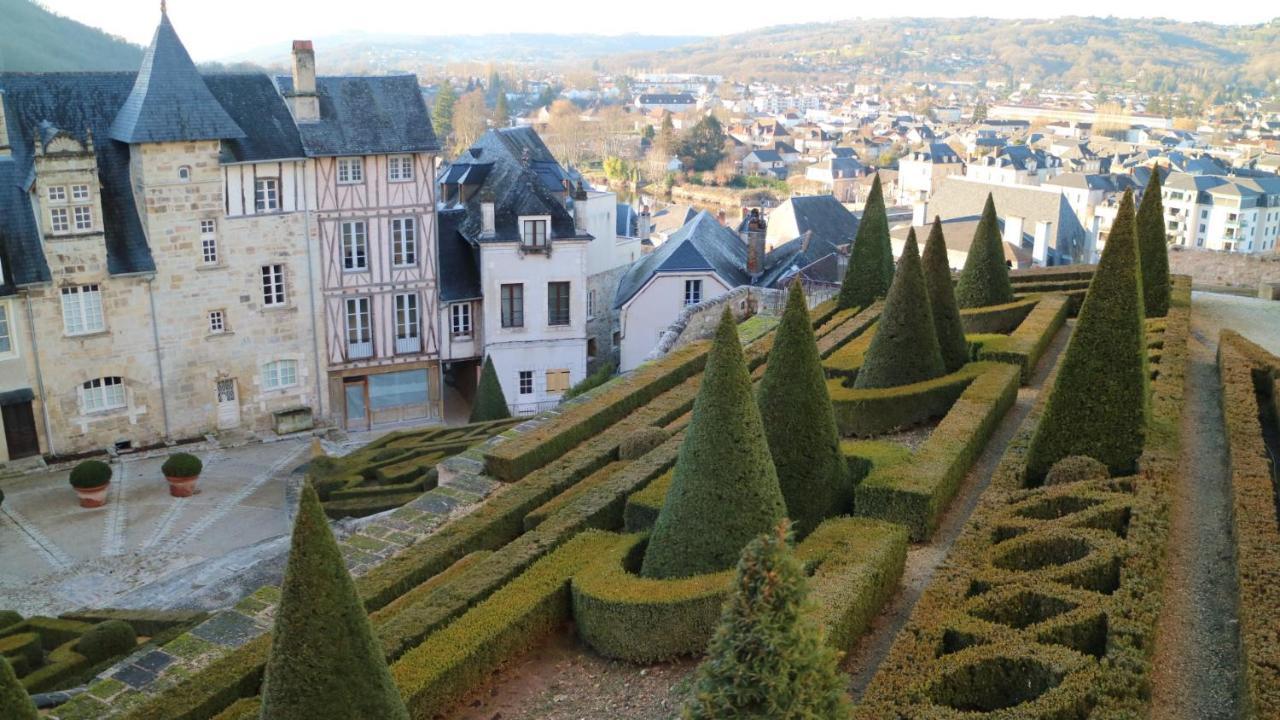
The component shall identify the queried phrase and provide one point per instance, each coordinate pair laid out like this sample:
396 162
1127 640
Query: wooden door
357 396
20 430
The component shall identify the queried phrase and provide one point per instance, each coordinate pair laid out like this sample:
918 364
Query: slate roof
666 99
20 252
822 215
958 234
628 221
957 196
366 116
703 244
459 261
169 101
671 218
808 253
254 104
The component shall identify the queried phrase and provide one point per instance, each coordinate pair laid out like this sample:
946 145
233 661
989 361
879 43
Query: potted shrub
90 480
181 470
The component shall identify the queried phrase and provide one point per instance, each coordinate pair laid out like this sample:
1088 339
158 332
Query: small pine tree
15 703
442 113
768 657
985 278
490 403
501 113
870 270
1099 401
325 661
724 489
942 300
905 347
800 424
1154 249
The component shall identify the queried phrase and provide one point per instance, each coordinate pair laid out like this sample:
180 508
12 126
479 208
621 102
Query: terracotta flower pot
182 486
93 497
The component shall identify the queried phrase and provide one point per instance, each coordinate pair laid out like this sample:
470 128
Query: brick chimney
303 101
753 236
4 129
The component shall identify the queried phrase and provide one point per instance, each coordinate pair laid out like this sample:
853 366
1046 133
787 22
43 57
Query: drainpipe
311 291
35 353
155 334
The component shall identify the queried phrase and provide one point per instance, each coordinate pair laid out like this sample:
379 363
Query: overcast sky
217 29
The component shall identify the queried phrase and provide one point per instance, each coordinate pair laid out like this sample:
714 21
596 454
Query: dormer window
184 174
533 231
350 170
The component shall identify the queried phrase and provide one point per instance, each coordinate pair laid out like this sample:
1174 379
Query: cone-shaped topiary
800 423
490 403
942 300
870 270
985 278
324 659
724 489
768 658
1099 401
1154 249
905 347
15 703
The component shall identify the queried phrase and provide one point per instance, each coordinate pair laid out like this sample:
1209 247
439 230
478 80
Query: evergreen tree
724 489
1154 249
702 147
501 113
870 270
800 424
325 661
1099 401
768 657
490 403
942 300
905 347
442 114
985 278
980 112
667 134
15 703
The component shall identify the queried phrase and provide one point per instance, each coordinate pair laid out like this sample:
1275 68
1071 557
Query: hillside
1156 54
36 40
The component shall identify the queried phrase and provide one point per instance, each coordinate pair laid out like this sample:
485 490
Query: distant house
1015 165
820 216
671 102
839 174
958 233
764 162
919 171
665 222
1058 238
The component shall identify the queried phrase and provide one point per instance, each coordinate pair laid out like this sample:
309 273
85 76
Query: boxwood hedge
1027 343
873 411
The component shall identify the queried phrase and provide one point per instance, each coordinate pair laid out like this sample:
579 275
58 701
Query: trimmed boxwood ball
1099 402
640 442
1074 469
182 465
985 278
870 269
800 424
1154 249
724 489
905 348
324 659
90 474
942 300
15 703
490 403
768 658
106 640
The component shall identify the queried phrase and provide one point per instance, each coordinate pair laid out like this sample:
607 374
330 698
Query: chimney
4 129
580 208
918 213
643 226
753 236
1013 230
303 101
1040 250
720 217
487 223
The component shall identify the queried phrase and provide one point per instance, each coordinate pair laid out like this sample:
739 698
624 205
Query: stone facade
1224 269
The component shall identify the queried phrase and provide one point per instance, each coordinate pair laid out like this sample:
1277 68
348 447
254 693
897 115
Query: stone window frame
82 312
82 216
8 348
274 375
275 290
218 322
60 219
102 395
184 173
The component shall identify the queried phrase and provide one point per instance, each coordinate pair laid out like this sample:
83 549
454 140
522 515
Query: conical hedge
490 403
942 300
1154 249
15 703
870 270
905 347
724 489
985 278
768 657
1099 401
800 424
325 662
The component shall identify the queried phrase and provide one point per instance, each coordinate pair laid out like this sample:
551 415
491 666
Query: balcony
359 350
408 345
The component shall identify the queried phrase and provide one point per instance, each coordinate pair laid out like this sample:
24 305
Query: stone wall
603 320
698 322
1224 269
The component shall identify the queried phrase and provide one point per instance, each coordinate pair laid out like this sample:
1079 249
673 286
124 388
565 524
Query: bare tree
469 120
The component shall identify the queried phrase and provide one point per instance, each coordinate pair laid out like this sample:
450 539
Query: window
407 335
266 194
84 217
279 374
692 292
273 285
58 193
209 242
217 322
557 303
557 381
526 382
513 305
404 242
534 233
99 394
355 246
6 338
184 173
591 304
82 310
359 328
460 319
58 220
350 170
400 168
80 192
